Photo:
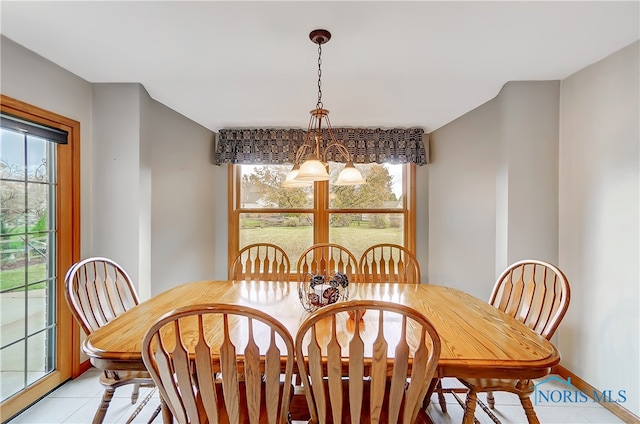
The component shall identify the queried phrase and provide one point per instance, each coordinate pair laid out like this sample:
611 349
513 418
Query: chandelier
314 148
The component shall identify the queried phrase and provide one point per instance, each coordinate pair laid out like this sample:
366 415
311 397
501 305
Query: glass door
27 260
39 240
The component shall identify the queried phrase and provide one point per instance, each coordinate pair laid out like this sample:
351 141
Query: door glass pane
13 198
261 187
293 232
383 189
359 231
12 145
27 277
39 362
12 327
36 308
12 366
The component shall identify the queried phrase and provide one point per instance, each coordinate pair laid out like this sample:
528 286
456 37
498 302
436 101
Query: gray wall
599 222
422 217
493 196
189 203
117 191
462 201
527 186
157 216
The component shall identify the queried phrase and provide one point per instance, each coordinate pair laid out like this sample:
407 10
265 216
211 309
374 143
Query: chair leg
135 393
104 405
441 399
430 390
532 418
167 416
470 407
491 401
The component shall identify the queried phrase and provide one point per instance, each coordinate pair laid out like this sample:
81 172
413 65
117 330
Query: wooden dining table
477 340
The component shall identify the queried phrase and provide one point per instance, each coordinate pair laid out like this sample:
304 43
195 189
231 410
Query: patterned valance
278 146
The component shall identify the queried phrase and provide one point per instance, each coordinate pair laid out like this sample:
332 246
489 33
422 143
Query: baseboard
613 407
84 366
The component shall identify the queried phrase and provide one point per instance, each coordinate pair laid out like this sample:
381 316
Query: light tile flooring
76 402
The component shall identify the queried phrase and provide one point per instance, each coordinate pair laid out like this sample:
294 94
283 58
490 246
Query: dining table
477 339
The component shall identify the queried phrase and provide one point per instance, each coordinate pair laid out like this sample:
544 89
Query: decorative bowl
317 290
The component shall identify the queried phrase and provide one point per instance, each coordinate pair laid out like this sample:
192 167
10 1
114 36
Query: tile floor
76 402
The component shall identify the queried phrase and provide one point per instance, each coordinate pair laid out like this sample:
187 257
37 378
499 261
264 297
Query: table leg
470 408
528 409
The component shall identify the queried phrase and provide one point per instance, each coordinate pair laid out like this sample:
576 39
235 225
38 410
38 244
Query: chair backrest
261 262
534 292
225 382
372 344
389 263
97 291
325 258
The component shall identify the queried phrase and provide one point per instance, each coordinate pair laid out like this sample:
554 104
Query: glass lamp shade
312 170
349 176
290 180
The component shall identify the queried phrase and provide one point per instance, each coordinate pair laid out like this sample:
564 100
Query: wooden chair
325 258
97 291
354 356
237 383
393 263
389 263
537 294
261 262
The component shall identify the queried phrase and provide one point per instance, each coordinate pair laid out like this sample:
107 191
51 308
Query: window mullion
321 212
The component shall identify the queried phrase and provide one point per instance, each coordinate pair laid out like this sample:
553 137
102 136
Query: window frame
320 210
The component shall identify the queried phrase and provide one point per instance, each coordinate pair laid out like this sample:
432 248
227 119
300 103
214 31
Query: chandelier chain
315 166
319 104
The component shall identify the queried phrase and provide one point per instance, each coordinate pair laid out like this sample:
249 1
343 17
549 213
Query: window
356 217
39 240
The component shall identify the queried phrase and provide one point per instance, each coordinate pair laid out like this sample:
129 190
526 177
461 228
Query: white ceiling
388 64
